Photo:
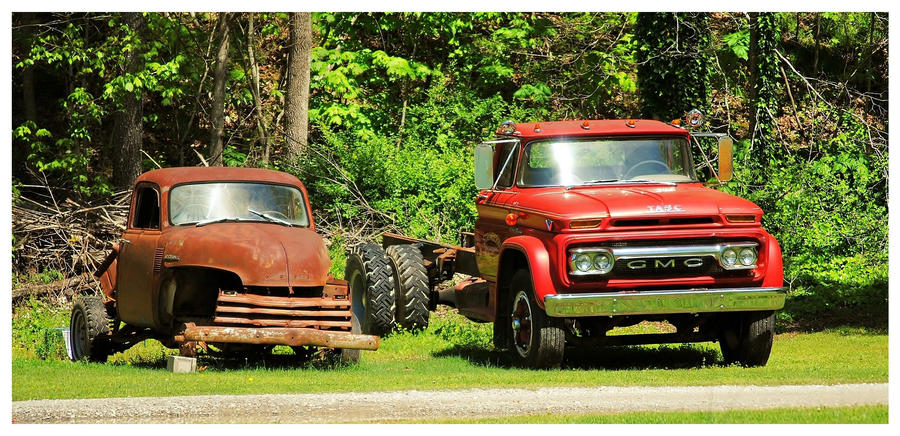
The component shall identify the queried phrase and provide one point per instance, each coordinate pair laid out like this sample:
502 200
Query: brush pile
67 237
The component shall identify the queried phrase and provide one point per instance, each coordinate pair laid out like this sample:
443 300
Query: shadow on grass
804 317
271 361
611 358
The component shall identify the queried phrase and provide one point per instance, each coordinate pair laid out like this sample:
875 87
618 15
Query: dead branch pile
65 236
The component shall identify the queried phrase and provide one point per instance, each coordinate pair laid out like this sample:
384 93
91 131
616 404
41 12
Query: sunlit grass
452 354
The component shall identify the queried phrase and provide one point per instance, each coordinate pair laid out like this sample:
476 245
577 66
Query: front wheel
536 340
746 338
89 329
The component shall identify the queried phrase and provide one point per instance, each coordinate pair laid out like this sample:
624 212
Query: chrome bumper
664 302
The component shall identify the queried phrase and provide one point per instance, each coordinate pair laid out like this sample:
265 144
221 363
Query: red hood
261 254
685 199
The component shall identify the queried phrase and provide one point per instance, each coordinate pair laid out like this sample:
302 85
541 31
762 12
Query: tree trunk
818 44
28 93
220 76
752 55
128 125
297 95
261 125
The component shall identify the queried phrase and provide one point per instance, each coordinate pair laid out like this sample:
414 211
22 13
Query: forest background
378 113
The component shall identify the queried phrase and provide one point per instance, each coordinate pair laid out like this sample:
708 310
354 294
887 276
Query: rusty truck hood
261 254
635 201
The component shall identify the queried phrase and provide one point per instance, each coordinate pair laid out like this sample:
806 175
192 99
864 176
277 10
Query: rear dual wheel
410 286
372 295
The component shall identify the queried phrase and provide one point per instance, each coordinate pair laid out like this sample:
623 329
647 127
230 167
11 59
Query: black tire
536 340
371 289
410 286
746 338
89 329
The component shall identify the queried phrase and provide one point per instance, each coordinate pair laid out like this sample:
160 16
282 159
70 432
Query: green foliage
673 63
35 329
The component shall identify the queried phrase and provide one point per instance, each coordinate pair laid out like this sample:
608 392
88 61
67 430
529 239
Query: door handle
124 241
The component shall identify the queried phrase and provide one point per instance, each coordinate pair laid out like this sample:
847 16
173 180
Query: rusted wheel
371 289
89 329
410 286
537 340
746 338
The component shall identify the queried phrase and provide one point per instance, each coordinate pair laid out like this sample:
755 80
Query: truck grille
249 309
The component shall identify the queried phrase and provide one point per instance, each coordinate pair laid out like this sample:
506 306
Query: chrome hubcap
520 318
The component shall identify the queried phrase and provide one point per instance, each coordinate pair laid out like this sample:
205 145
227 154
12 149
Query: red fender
538 264
774 270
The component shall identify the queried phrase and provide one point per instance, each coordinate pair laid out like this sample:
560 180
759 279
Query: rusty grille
246 309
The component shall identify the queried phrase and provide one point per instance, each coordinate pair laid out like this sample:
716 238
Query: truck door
490 226
140 259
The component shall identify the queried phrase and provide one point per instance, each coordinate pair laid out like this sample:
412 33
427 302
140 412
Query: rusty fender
278 336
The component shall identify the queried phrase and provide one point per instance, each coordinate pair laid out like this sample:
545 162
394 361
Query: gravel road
427 405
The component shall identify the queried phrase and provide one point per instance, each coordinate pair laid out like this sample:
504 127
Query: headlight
748 256
590 261
738 255
582 262
729 256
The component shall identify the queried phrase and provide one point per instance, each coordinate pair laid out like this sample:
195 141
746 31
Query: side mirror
484 166
725 163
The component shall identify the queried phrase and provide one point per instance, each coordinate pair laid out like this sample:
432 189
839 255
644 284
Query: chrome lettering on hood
665 208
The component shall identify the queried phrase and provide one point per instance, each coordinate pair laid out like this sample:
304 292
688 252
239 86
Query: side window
146 211
506 177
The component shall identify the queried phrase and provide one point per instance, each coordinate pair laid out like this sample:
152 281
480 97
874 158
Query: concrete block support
181 364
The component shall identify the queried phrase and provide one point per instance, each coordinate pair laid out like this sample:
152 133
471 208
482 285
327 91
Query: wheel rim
357 292
520 320
79 335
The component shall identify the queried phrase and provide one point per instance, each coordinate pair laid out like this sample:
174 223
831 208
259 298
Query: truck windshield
605 160
199 203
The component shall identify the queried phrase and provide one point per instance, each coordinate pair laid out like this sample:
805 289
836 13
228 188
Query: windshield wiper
270 218
649 181
215 220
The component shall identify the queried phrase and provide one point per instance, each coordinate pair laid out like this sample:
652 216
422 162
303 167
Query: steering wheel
645 162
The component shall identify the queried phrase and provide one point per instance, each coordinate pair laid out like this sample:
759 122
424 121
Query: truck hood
261 254
685 199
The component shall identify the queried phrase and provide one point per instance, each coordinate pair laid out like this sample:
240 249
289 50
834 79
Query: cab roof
176 175
545 129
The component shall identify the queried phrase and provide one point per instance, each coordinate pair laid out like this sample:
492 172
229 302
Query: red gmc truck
585 226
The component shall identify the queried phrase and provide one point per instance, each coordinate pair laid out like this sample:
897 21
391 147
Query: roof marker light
630 123
585 125
676 122
537 128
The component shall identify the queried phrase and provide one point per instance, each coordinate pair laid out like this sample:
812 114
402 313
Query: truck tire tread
379 298
411 286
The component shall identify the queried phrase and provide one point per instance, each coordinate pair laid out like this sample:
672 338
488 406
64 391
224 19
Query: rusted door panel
137 279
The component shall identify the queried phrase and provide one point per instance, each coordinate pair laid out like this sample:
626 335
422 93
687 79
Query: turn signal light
741 218
585 224
512 219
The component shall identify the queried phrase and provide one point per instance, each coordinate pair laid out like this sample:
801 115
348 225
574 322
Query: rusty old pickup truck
221 257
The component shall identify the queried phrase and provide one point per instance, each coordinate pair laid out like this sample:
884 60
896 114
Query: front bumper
664 302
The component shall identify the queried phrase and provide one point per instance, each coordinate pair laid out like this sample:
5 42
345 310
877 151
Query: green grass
452 354
820 415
